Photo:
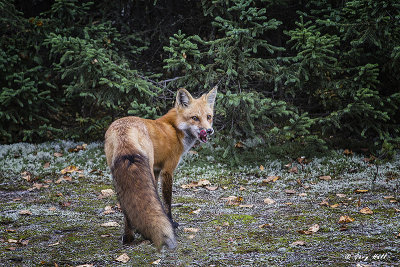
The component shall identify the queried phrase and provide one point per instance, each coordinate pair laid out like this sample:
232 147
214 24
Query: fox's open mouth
203 136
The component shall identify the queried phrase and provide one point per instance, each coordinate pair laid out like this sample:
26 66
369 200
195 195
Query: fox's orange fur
139 151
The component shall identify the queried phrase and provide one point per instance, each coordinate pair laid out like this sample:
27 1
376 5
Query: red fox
139 151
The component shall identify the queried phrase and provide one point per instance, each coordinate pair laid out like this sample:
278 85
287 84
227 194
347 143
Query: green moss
234 219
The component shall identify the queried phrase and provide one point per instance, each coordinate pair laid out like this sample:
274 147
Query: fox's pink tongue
203 136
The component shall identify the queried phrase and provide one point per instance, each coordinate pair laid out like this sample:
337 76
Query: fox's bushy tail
139 200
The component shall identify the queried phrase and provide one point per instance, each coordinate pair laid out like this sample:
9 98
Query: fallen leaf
46 165
85 265
269 201
211 188
52 208
58 154
12 241
270 179
225 224
54 244
361 190
396 210
11 248
325 177
290 191
303 194
288 203
203 182
110 224
107 193
393 201
124 258
69 169
346 219
17 199
239 145
195 211
341 195
159 260
324 202
191 230
388 197
25 212
294 169
246 206
242 188
66 204
24 242
190 236
26 175
108 210
261 167
347 152
233 200
314 228
334 205
297 243
366 210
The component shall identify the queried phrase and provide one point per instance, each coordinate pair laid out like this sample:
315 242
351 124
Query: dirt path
249 216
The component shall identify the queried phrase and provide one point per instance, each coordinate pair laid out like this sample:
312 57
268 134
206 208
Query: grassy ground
254 215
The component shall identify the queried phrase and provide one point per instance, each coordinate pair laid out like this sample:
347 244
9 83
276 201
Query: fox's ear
210 97
183 98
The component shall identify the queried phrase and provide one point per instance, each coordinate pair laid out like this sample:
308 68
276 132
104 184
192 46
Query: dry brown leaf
347 152
298 243
211 188
159 260
314 228
290 191
25 212
269 201
325 177
190 236
366 210
26 175
191 230
52 208
46 165
233 200
334 205
53 244
195 211
341 195
85 265
288 203
107 192
108 210
303 194
264 225
246 206
110 224
10 240
239 145
58 154
346 219
272 178
294 169
324 202
261 168
361 190
242 188
124 258
69 169
388 197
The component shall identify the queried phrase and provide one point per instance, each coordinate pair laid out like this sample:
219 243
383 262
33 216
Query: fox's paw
127 239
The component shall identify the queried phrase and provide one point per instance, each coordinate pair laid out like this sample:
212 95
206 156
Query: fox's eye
195 118
209 117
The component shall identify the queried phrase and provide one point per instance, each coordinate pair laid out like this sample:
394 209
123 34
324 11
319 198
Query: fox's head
196 114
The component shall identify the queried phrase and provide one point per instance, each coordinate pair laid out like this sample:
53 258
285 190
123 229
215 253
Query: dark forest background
312 74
